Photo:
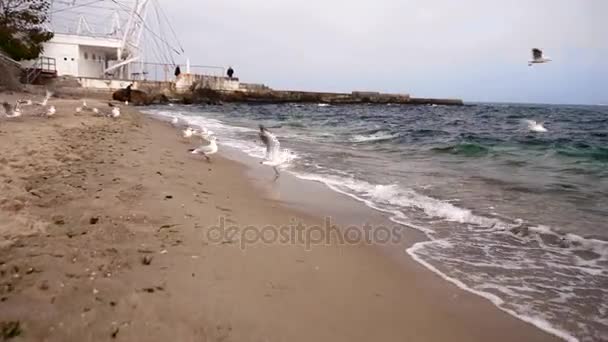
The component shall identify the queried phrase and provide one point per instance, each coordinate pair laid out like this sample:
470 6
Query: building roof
63 38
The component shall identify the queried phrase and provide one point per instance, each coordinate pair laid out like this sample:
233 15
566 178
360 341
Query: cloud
476 49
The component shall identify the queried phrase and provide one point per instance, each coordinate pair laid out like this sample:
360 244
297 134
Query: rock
146 260
10 330
58 220
94 220
44 285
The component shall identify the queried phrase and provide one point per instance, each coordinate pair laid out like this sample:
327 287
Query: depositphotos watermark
297 233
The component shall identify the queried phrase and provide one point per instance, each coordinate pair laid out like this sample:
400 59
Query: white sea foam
539 322
228 134
378 136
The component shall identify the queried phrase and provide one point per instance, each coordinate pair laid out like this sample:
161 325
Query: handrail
42 64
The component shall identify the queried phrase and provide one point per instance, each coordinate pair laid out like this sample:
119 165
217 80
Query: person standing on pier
178 71
230 72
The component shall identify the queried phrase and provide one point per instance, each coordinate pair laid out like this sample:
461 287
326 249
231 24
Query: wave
378 136
405 205
599 154
464 149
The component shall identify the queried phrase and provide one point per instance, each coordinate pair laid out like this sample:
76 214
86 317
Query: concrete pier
191 88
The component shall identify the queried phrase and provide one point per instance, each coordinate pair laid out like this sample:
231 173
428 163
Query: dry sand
84 201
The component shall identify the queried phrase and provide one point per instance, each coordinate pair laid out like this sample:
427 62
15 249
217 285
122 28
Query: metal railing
166 72
42 64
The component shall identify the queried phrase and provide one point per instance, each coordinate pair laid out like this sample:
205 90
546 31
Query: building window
72 59
93 56
65 58
86 55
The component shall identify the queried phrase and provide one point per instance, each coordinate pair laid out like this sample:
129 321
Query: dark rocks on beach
138 97
94 220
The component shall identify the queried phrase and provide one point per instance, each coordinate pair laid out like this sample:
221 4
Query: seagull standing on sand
50 111
273 150
175 121
84 107
537 57
115 113
11 111
206 149
534 126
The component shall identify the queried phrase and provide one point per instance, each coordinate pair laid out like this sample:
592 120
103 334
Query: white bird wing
272 145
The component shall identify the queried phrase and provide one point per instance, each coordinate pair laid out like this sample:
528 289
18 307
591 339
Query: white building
84 56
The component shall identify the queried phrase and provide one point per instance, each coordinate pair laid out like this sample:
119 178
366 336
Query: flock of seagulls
209 145
12 111
113 113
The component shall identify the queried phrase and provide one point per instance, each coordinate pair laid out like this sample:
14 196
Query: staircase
43 69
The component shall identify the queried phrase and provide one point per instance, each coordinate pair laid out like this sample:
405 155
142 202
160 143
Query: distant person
230 72
128 92
178 71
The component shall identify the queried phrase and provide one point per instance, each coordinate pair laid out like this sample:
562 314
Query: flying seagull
273 150
534 126
537 57
208 148
46 99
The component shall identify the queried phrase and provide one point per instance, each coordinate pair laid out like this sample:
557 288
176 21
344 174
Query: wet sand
105 233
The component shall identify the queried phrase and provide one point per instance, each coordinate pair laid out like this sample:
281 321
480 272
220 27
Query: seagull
51 111
188 132
273 150
115 113
47 97
175 121
11 111
96 111
537 57
84 107
206 149
534 126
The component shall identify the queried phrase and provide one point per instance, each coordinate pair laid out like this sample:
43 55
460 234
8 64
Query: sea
511 213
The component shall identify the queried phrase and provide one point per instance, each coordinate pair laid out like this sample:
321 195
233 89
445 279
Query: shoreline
312 197
149 198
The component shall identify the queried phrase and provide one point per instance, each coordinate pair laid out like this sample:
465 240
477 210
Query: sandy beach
107 233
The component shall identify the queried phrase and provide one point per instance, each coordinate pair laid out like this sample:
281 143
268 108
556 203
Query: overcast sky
471 49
